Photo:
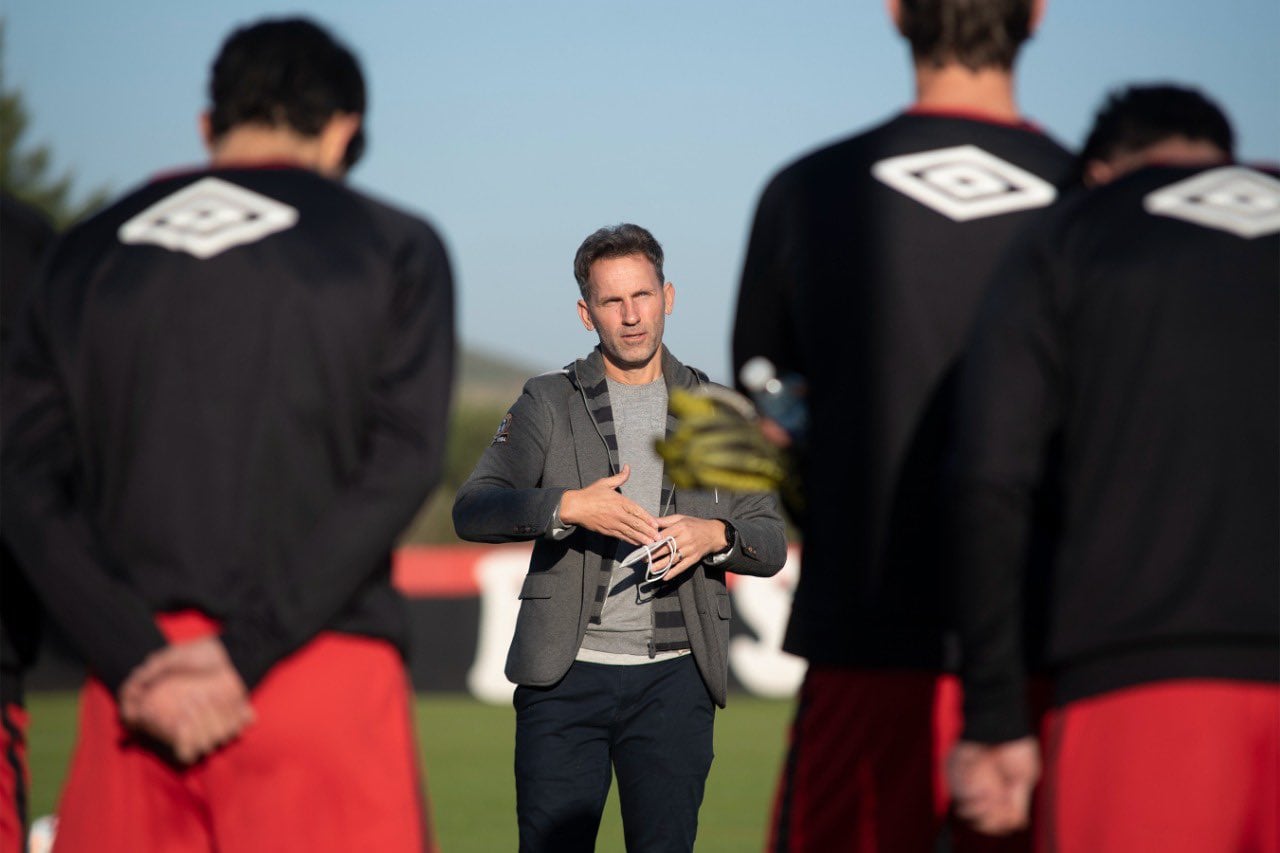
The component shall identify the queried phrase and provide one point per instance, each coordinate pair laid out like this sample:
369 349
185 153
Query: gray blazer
550 443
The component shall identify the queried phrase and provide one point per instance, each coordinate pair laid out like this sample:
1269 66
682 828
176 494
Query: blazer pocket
722 605
536 586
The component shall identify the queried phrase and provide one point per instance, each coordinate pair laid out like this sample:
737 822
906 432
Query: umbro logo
1231 198
208 217
964 182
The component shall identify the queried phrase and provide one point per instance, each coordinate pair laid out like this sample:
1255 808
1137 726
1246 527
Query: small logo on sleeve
1231 198
504 431
964 182
207 218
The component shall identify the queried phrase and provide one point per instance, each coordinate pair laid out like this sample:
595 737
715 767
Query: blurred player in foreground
866 264
226 400
1139 322
25 236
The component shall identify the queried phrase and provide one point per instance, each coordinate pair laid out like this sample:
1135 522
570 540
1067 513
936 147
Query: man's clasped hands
188 696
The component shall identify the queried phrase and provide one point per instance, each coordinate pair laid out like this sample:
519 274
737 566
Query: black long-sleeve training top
866 263
25 237
1141 322
230 394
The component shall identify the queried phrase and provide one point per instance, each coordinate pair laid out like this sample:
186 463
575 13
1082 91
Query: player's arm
1010 402
762 321
109 625
403 462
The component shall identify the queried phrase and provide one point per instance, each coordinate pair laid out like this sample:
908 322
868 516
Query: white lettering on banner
499 575
764 604
758 663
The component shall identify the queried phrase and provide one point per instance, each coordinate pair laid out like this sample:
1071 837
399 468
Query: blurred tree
25 171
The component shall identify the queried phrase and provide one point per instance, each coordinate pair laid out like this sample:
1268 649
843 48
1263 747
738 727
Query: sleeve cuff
247 655
558 529
996 715
116 671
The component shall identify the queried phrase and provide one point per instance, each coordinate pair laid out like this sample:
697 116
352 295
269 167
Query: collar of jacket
589 372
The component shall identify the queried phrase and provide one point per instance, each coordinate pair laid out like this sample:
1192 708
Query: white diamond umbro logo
208 217
964 182
1230 198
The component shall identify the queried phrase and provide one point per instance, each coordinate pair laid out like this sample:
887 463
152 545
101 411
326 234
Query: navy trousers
651 722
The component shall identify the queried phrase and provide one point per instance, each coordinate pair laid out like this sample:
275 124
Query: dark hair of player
286 72
615 241
1136 117
977 34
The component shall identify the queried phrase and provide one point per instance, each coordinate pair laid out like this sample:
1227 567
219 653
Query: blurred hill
487 379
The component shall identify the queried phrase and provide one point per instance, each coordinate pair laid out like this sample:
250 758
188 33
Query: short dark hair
286 72
615 241
977 34
1136 117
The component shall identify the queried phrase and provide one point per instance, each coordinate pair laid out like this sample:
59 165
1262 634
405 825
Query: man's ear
585 316
1037 13
335 136
894 8
205 125
669 296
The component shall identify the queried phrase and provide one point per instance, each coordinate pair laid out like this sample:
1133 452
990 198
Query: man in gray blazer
619 654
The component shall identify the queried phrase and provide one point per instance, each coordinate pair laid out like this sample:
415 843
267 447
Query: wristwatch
730 536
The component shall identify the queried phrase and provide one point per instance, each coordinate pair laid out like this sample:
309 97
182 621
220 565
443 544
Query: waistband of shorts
1237 661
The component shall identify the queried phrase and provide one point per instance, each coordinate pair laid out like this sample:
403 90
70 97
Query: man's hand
192 714
774 432
600 507
695 539
991 784
206 654
188 695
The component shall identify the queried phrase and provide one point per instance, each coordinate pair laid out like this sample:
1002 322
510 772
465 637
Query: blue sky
520 127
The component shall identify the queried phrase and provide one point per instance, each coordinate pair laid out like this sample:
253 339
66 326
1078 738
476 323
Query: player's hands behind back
992 784
189 696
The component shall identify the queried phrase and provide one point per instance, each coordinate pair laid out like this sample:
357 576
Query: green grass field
466 751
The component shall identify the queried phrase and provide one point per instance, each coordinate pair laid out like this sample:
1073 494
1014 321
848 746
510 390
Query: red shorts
15 781
1173 766
329 763
864 771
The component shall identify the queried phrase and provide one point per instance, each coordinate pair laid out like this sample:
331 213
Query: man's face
626 306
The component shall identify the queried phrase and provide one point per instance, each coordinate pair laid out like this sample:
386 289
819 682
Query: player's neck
253 145
1177 151
954 88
